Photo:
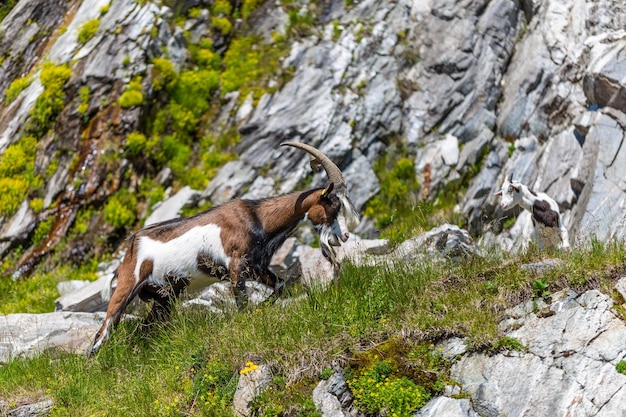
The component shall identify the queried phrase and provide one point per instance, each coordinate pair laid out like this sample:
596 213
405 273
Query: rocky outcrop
31 334
566 368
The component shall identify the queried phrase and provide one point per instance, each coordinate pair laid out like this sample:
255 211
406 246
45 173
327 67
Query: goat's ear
326 191
499 193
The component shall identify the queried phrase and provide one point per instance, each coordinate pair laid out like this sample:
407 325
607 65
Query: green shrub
36 204
204 56
120 209
193 90
42 231
508 343
52 100
82 221
222 24
131 98
301 23
163 74
377 389
16 87
621 367
133 95
222 7
83 98
540 288
17 174
13 191
136 144
104 9
241 64
88 30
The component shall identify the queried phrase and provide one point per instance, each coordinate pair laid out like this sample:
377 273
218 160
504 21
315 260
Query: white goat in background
547 220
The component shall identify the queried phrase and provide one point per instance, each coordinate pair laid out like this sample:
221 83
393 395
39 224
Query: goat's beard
328 239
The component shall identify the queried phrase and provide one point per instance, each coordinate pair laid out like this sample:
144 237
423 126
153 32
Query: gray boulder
26 335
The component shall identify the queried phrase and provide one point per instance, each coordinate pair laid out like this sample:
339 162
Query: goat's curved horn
334 173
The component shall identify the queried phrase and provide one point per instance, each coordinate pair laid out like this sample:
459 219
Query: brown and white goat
546 217
235 240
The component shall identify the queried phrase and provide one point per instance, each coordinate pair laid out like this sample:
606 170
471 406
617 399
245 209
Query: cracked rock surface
567 369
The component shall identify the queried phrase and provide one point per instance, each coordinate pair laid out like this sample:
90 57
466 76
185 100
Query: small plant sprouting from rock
16 87
88 30
621 367
508 343
326 373
540 288
83 98
133 95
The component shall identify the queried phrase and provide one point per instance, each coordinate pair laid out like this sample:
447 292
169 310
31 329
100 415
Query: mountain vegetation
379 325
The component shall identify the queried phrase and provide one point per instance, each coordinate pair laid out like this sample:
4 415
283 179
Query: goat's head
335 214
510 194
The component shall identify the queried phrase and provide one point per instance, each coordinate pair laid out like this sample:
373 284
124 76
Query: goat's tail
107 290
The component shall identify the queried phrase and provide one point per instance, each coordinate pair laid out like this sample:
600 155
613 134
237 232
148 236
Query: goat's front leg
125 291
539 237
237 272
564 237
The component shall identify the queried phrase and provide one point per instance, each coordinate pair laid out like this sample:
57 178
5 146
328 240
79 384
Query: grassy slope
191 364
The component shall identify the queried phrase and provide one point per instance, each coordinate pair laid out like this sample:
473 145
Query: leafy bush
52 100
204 56
13 191
163 74
222 7
222 24
16 87
241 64
120 209
136 144
248 7
104 9
88 30
540 288
17 174
377 389
83 98
36 204
133 95
621 367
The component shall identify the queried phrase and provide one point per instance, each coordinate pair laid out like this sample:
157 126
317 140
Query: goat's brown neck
285 211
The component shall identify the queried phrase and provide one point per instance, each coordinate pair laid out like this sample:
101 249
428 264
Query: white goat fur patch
179 256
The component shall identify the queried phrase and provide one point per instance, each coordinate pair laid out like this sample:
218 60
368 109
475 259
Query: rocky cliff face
472 90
